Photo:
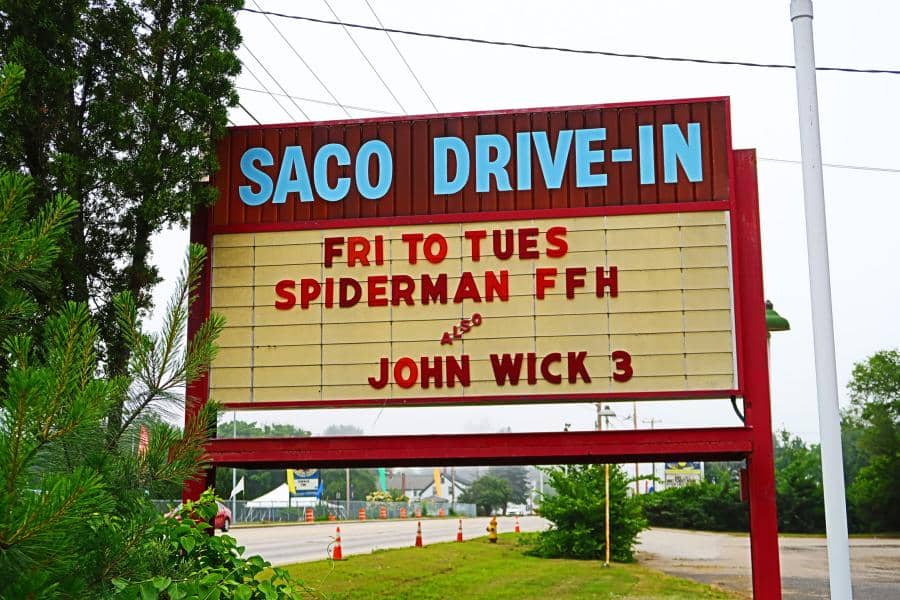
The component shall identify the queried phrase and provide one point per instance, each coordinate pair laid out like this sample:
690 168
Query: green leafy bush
577 513
194 564
706 506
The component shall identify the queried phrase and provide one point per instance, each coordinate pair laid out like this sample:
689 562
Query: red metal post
757 405
197 392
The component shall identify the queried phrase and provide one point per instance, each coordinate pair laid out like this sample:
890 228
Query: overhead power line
315 101
250 114
302 60
761 158
457 38
835 165
400 54
366 58
267 91
273 78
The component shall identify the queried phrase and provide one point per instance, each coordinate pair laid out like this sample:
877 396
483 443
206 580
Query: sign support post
820 298
757 409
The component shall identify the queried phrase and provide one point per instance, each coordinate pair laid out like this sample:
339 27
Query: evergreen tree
74 509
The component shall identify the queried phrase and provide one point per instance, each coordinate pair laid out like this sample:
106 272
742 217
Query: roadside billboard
304 483
680 474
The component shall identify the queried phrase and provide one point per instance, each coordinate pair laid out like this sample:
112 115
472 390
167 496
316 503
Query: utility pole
636 467
653 421
605 413
347 478
820 297
453 488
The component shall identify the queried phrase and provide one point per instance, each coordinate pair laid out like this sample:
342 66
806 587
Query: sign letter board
549 255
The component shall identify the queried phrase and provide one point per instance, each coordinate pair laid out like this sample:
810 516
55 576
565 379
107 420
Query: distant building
419 486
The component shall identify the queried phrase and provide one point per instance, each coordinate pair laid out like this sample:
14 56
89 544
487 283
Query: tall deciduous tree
120 111
798 485
362 483
517 478
873 423
488 493
257 481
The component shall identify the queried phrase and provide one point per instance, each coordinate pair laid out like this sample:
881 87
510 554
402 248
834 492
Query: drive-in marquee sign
544 255
567 254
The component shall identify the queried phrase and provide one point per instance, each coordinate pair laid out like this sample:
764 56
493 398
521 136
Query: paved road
724 560
298 543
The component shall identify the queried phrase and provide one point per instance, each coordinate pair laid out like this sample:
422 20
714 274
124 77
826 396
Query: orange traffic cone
419 536
517 524
337 553
459 532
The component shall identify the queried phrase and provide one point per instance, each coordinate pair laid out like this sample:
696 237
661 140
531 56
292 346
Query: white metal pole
347 501
820 292
233 469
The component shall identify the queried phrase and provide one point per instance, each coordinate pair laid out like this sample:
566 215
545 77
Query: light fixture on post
605 413
774 321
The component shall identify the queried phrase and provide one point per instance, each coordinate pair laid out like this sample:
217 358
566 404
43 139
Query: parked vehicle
222 520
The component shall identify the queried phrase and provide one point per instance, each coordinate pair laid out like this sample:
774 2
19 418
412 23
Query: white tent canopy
279 497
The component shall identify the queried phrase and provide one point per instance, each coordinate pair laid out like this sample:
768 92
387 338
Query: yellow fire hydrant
492 530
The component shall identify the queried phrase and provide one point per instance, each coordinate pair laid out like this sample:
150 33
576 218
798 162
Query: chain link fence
249 511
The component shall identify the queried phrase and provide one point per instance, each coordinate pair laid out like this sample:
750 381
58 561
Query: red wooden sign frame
752 442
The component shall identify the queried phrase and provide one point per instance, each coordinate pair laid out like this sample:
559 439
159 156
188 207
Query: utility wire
365 57
302 60
835 165
315 101
456 38
278 83
259 81
761 158
250 114
403 58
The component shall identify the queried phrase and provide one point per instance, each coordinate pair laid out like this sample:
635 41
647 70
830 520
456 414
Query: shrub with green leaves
705 506
577 512
195 565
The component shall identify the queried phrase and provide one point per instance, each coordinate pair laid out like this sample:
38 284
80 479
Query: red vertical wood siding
410 140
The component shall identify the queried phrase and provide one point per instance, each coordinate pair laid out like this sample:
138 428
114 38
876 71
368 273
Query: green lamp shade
774 321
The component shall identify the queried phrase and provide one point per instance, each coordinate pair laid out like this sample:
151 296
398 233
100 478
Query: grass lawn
476 569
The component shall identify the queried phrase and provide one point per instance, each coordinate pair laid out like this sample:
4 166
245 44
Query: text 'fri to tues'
399 288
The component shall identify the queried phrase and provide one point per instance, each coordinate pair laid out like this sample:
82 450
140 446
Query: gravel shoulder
723 559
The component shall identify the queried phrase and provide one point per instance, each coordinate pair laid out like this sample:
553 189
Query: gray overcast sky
859 127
